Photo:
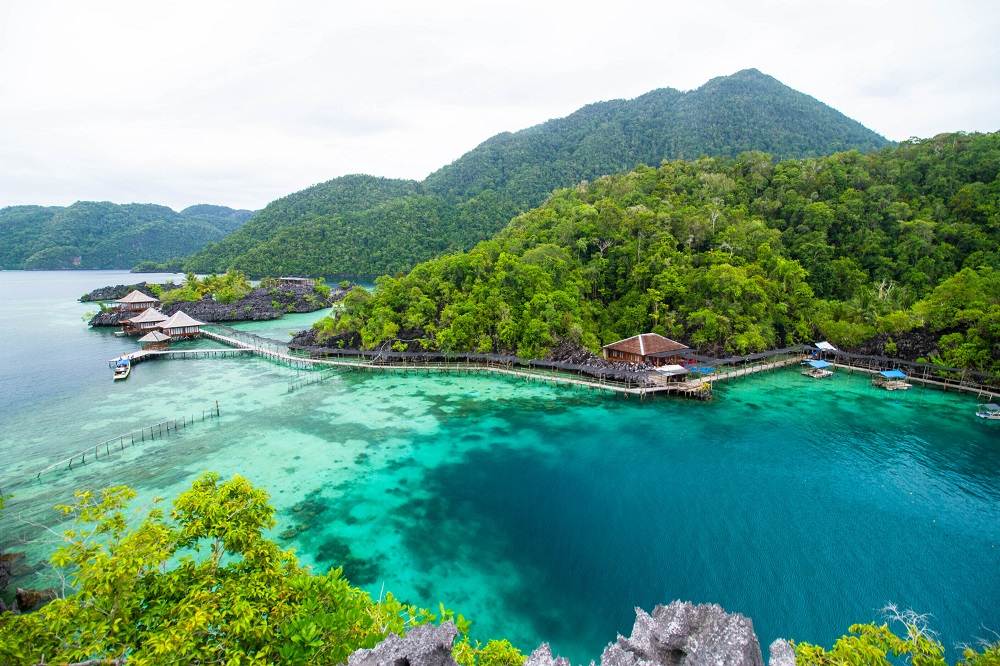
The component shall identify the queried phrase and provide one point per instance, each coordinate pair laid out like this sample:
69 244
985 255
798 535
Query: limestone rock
28 598
782 654
683 634
426 645
542 656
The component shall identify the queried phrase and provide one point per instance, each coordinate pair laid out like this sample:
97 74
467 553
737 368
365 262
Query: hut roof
155 336
672 370
646 344
136 296
825 346
181 319
148 315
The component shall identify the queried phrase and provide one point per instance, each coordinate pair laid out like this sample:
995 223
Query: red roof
645 344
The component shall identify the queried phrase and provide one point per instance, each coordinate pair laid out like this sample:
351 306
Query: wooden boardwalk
697 388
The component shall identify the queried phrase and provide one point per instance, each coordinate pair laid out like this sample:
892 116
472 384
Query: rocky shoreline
564 352
121 290
679 634
260 305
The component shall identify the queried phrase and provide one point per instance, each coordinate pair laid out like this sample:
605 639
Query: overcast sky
238 103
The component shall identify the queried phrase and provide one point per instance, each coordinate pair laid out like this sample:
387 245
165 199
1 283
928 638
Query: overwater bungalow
891 380
305 282
645 348
149 320
136 301
818 369
181 325
155 340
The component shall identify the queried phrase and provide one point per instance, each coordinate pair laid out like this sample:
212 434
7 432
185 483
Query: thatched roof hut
136 301
181 325
155 340
147 321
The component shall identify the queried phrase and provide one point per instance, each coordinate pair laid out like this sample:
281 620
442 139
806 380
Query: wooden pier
699 388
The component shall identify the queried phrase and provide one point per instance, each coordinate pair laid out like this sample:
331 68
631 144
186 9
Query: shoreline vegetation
200 583
892 253
222 298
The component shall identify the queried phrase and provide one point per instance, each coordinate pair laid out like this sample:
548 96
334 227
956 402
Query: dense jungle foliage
203 585
92 234
226 288
361 225
727 255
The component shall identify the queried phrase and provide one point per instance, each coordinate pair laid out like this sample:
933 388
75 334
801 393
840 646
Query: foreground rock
680 634
424 646
27 599
683 634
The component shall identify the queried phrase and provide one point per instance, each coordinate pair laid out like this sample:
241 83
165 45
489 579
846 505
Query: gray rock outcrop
782 654
679 634
423 646
682 634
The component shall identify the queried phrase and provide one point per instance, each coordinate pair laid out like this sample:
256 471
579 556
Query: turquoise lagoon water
541 513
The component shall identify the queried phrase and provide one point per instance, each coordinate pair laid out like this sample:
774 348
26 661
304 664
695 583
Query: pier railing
620 380
106 448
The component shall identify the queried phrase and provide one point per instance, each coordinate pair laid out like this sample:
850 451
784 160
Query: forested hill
729 256
388 226
91 234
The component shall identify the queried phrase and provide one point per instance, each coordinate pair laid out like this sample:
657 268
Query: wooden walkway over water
700 388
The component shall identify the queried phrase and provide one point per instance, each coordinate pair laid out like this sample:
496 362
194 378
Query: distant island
99 234
218 298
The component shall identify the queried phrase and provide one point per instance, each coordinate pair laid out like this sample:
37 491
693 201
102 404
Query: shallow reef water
541 513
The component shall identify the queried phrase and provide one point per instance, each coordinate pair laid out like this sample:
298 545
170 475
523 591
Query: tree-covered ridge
363 225
729 256
91 234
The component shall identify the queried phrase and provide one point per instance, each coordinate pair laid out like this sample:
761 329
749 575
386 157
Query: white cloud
238 103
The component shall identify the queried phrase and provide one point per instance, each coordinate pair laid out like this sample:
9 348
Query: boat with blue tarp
891 380
818 369
122 366
989 411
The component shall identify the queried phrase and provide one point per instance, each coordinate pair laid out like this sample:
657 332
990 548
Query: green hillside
364 225
91 234
730 256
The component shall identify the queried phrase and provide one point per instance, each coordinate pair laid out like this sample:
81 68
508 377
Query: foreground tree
203 587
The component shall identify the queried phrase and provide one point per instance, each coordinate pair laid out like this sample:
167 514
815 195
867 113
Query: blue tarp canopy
820 364
122 361
701 369
893 374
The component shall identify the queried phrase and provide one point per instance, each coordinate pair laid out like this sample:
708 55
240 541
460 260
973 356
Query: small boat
818 369
988 411
122 367
891 380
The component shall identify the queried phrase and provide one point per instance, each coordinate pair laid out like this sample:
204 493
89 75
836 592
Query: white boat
988 411
122 367
891 380
818 369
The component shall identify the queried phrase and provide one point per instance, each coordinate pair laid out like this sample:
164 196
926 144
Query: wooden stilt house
645 348
181 325
136 301
149 320
155 340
